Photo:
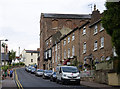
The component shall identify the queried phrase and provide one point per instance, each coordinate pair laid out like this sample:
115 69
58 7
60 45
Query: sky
19 19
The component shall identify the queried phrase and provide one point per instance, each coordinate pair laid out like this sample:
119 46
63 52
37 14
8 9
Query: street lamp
0 57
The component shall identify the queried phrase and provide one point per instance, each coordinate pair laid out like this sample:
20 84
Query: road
29 80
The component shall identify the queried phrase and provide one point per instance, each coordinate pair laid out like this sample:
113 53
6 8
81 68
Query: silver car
39 72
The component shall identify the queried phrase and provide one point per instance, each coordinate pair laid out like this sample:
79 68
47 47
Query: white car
39 72
67 74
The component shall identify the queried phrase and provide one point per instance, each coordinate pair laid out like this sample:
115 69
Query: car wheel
57 81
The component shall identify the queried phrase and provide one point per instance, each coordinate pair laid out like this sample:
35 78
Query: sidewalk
97 85
8 83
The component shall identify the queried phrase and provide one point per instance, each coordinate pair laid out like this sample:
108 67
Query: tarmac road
29 80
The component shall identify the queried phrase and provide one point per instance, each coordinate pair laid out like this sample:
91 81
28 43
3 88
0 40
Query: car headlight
78 75
45 74
64 75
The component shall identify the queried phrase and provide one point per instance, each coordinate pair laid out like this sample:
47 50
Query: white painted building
29 56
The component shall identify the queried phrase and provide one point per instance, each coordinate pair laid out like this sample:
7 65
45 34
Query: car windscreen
33 68
49 71
70 69
40 70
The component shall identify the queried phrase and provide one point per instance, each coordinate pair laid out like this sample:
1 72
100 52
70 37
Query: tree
12 56
111 23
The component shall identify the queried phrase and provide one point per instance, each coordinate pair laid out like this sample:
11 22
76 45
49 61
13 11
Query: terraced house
49 25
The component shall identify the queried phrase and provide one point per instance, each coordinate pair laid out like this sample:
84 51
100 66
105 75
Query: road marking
17 81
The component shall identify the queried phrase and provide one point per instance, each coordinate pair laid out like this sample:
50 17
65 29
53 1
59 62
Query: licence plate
72 80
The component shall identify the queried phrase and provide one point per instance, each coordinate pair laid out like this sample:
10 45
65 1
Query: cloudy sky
19 19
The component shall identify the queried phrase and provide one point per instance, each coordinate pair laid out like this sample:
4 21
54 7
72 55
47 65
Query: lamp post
0 58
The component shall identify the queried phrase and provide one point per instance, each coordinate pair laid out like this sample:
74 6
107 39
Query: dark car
47 73
53 77
33 70
29 68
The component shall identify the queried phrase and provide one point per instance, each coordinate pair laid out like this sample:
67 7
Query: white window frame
101 42
95 29
73 50
84 47
52 49
68 39
73 36
102 58
56 47
64 54
101 27
95 45
68 52
64 41
56 57
53 59
84 30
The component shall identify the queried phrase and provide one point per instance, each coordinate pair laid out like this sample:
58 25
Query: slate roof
62 16
32 51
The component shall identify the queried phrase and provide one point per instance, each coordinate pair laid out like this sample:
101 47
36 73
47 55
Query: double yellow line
17 81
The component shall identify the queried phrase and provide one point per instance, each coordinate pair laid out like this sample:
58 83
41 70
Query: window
31 60
56 57
50 40
31 54
50 54
114 52
56 47
73 50
73 36
65 54
54 24
59 46
69 53
68 39
107 58
102 58
84 47
64 42
95 30
53 49
47 44
84 30
69 24
95 45
102 42
53 58
101 27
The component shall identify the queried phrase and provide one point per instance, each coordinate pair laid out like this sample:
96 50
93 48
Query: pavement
98 85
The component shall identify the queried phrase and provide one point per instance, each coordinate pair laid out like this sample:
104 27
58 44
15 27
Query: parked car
39 72
67 74
47 73
33 70
29 68
53 77
26 68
